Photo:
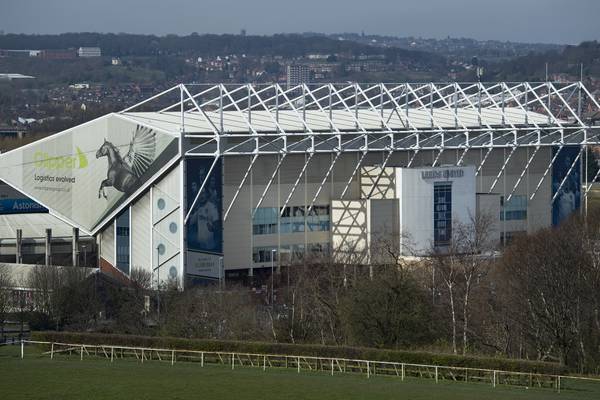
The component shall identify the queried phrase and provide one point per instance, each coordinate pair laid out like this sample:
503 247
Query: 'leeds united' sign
442 174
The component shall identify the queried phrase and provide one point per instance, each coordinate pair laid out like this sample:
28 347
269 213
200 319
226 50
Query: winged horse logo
124 172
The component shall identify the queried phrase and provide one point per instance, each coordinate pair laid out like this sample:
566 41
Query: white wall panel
107 244
141 233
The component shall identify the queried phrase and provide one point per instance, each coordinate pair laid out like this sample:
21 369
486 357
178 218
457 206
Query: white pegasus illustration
124 172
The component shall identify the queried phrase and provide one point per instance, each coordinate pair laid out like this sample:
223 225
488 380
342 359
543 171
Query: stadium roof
220 120
343 120
34 226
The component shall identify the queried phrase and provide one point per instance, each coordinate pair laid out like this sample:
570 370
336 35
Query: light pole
84 255
273 252
157 284
221 273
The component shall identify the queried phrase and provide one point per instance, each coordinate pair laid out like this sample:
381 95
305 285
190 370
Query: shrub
414 357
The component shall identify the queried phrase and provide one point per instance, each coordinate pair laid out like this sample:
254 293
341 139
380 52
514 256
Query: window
264 254
318 249
264 221
318 219
293 219
122 241
515 209
442 213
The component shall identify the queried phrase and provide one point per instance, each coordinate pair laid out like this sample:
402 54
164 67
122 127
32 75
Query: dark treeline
533 66
287 45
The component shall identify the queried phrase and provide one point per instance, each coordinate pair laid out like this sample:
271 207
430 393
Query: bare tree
446 266
6 284
476 246
546 271
461 265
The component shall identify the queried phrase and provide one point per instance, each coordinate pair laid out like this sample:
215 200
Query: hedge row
411 357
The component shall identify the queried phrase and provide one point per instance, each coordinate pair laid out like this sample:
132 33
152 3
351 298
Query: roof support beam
296 183
376 182
239 188
502 169
356 168
264 193
523 172
567 175
546 172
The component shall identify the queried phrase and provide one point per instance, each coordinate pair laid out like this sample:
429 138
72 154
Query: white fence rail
330 365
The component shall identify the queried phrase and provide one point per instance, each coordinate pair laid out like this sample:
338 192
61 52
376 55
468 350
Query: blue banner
20 206
569 197
205 225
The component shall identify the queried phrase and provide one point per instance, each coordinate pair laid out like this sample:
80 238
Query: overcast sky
550 21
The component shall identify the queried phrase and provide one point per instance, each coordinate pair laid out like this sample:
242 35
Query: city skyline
543 21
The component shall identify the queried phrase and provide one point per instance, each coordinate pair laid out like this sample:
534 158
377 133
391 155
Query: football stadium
205 182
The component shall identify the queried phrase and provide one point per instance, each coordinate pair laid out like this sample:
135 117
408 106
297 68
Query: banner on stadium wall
87 172
569 197
204 230
14 202
204 265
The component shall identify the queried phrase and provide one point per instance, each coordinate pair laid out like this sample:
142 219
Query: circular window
161 249
173 227
173 272
161 204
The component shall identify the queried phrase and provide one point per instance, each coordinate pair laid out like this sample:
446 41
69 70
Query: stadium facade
201 182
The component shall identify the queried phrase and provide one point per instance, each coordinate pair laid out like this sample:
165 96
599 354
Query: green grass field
38 377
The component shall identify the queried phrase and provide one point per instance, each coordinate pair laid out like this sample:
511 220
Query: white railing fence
330 365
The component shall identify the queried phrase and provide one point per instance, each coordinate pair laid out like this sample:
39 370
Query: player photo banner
569 197
205 224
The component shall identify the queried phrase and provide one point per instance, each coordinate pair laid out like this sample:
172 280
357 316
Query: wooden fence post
403 372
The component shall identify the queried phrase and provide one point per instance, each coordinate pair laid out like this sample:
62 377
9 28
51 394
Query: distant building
89 52
116 61
297 74
15 53
10 77
58 54
78 86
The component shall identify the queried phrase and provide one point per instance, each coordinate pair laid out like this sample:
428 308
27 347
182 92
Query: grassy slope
42 378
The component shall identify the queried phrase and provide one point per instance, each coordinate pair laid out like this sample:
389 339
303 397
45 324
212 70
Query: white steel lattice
253 120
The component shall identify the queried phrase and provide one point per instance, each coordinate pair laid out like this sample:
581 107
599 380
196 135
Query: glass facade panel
122 241
293 219
265 221
264 254
442 213
515 209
